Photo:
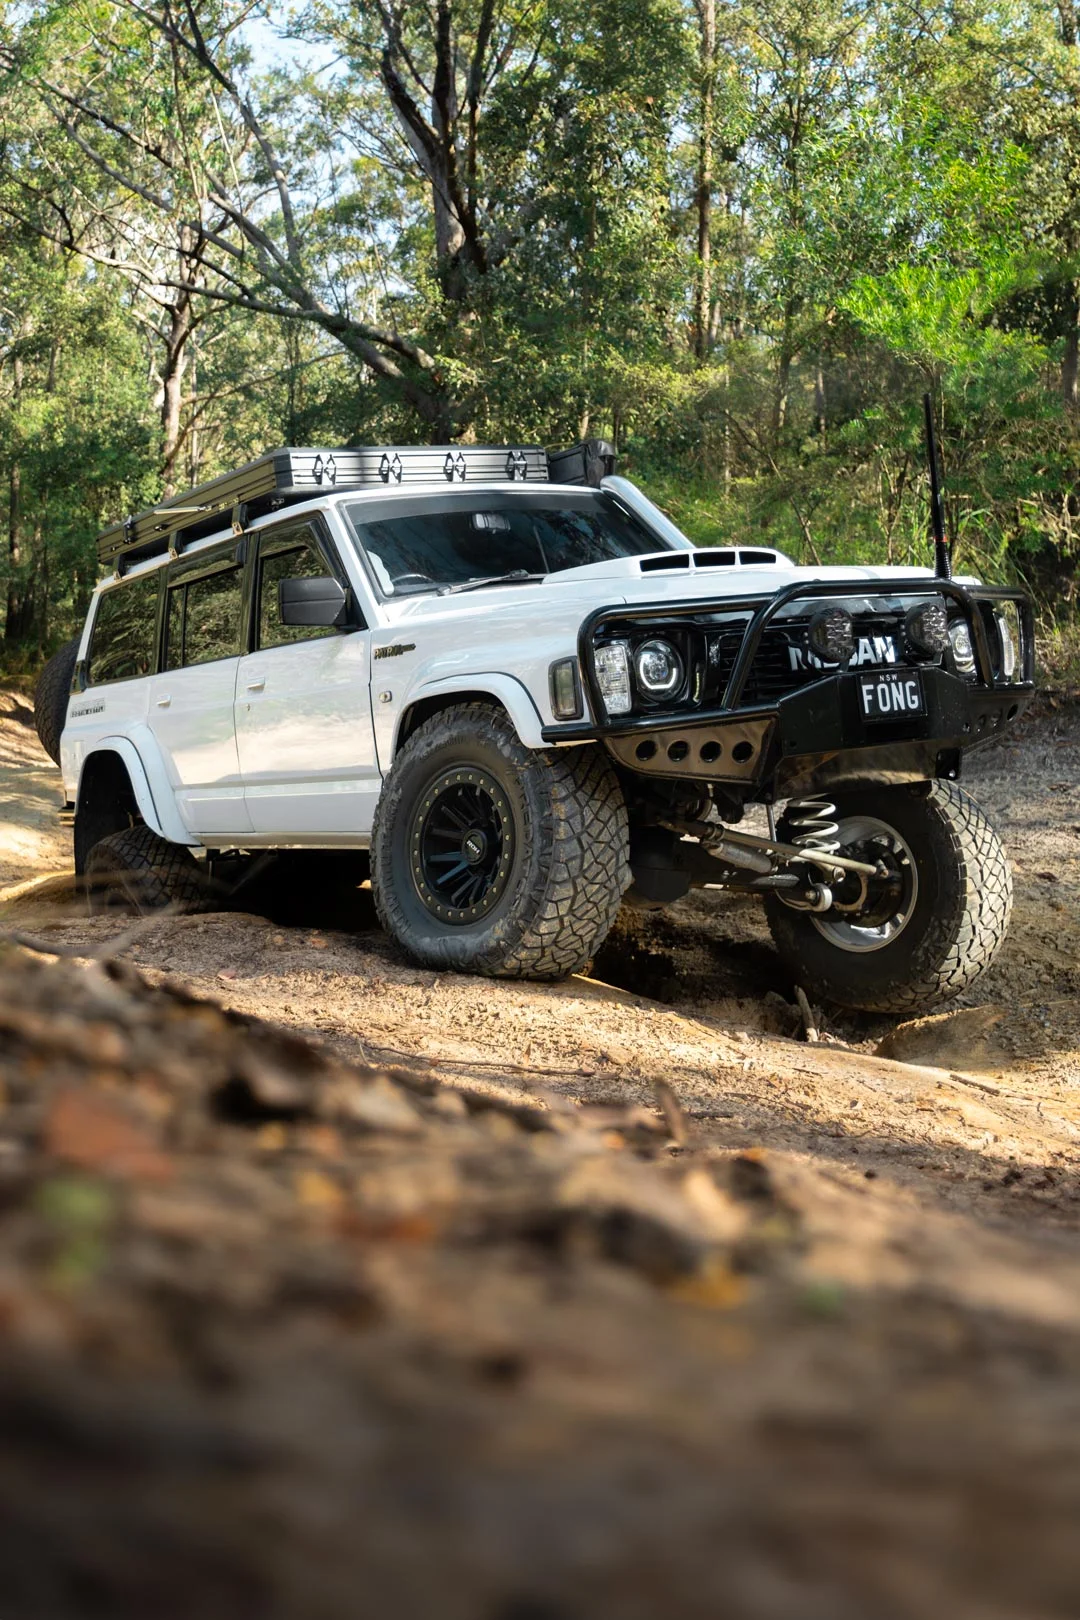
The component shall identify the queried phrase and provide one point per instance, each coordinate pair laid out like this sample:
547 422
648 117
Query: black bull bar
815 737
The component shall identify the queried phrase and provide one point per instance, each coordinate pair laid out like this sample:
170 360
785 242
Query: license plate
890 695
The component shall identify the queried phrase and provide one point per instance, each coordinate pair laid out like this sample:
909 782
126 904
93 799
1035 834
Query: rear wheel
135 870
924 931
491 858
51 696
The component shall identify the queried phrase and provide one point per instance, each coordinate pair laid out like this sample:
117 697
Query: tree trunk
819 402
19 608
783 374
706 106
181 326
194 448
172 401
1070 363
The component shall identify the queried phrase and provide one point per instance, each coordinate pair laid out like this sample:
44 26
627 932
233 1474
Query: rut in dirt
667 957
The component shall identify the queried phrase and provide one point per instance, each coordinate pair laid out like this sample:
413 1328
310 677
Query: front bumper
816 737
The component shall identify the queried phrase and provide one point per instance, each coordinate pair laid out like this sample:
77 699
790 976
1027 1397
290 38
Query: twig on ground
984 1085
813 1034
105 952
674 1118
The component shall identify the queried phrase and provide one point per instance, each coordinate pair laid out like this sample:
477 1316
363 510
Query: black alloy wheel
462 846
490 857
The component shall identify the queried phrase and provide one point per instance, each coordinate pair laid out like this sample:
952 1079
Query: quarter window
204 618
292 555
122 644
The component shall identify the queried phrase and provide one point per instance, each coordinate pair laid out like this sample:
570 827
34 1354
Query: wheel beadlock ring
461 846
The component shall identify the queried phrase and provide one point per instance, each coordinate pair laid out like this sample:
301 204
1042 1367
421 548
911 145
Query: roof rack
282 477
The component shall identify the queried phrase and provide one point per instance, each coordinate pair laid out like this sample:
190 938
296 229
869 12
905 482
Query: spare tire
51 698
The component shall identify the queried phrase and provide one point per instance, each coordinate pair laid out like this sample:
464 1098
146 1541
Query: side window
204 618
122 642
293 555
174 627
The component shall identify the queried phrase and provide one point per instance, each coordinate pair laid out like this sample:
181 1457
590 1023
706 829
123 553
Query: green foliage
501 243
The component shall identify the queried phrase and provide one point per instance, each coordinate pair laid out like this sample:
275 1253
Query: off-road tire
570 861
959 921
51 698
135 870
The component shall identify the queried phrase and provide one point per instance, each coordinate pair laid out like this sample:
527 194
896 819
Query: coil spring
812 825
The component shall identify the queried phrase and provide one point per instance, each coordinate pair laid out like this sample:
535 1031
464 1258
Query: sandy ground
31 840
982 1123
923 1319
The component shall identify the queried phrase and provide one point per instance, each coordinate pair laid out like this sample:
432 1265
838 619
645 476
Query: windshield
431 543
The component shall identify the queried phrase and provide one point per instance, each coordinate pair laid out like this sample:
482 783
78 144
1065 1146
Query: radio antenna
942 550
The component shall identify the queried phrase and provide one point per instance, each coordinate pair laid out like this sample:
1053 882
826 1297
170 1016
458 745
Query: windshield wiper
516 576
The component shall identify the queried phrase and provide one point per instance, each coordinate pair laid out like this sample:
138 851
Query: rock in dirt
960 1039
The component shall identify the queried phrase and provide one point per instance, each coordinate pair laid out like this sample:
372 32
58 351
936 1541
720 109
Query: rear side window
203 622
125 625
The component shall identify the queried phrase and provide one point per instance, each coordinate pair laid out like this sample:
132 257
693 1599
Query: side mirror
312 603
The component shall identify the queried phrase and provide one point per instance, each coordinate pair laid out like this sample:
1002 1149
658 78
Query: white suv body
233 726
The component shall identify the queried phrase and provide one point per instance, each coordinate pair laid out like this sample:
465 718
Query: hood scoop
666 562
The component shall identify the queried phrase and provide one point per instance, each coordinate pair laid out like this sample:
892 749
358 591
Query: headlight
962 650
613 677
832 635
658 668
1008 623
927 628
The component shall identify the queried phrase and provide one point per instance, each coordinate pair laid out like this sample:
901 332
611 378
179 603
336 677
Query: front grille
781 664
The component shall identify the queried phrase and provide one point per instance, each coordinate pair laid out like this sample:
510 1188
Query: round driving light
658 668
832 635
962 650
927 628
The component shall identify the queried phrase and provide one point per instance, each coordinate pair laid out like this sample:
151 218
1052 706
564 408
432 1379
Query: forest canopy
740 240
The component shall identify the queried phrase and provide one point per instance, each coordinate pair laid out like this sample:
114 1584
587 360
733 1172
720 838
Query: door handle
256 686
163 702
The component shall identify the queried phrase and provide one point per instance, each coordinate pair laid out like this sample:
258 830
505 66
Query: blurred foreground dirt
436 1297
288 1337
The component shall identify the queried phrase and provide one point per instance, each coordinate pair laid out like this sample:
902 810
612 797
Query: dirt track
694 995
31 840
903 1356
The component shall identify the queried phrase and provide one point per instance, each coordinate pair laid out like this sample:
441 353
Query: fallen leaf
97 1131
317 1191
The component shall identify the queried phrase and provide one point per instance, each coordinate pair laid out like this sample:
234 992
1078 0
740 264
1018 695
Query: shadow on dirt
319 888
667 956
671 958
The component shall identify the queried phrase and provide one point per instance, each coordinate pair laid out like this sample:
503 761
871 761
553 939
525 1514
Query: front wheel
488 857
927 929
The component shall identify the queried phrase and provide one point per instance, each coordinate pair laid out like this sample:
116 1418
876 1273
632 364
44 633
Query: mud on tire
135 870
549 843
51 698
957 924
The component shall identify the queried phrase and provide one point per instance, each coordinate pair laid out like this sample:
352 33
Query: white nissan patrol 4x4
512 679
